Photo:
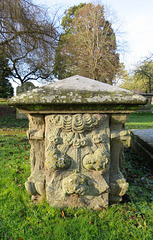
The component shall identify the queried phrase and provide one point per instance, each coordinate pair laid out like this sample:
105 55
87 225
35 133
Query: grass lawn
21 219
8 122
140 121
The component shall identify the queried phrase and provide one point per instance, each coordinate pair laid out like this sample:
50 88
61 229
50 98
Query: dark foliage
6 89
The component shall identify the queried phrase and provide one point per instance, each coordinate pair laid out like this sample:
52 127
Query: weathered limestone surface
76 129
36 182
142 143
77 94
118 184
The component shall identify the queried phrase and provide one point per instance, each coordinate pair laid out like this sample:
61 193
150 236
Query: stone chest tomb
76 129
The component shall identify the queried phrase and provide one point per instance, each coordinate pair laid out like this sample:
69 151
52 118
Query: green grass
3 101
140 121
21 219
10 123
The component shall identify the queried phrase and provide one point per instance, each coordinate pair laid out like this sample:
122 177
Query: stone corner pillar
118 184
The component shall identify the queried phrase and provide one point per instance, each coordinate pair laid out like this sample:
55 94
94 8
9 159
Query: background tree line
34 48
142 78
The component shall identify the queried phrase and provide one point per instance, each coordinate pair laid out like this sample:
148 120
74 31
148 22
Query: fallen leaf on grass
63 214
21 214
145 224
91 222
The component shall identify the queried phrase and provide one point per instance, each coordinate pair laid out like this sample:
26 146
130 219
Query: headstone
142 143
23 89
76 131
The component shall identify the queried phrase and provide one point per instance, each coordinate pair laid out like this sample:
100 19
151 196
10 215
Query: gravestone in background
148 106
22 89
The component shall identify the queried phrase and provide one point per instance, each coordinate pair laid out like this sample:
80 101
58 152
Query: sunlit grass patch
140 121
3 101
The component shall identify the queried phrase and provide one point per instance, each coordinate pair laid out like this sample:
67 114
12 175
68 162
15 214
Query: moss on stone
78 107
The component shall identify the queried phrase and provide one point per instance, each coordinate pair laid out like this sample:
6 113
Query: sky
135 22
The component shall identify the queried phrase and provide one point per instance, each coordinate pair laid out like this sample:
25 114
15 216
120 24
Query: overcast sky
136 21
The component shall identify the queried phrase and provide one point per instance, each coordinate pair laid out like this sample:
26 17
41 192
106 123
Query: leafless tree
28 37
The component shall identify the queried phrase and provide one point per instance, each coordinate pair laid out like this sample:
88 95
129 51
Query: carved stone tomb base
71 155
76 129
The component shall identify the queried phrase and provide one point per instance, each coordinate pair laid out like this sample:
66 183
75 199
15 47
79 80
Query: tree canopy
87 45
143 76
142 80
28 38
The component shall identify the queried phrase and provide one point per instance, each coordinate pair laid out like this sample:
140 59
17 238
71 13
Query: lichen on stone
72 91
96 161
76 183
56 160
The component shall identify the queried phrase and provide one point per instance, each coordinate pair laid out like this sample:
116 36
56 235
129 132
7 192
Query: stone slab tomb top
77 90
